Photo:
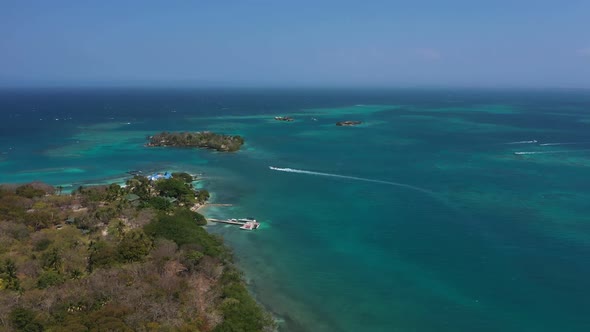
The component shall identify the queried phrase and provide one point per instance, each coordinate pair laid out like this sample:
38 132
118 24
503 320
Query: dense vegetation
205 139
117 259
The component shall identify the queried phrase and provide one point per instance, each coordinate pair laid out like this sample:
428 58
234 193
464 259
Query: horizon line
170 86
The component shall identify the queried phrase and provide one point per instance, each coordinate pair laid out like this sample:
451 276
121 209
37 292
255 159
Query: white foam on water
567 143
549 152
524 142
432 194
391 183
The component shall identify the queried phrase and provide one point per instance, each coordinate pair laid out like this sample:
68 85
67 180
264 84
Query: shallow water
492 241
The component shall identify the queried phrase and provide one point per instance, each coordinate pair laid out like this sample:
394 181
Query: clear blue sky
495 43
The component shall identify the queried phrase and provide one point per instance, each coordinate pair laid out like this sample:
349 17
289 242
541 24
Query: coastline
313 255
199 207
279 320
203 209
236 298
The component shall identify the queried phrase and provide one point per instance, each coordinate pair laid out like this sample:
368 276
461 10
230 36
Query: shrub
93 194
134 246
176 188
52 260
102 254
24 320
39 219
42 244
202 196
160 203
17 231
29 191
191 259
183 228
240 311
49 278
8 276
187 178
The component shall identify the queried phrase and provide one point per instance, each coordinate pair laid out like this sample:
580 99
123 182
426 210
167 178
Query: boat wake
431 194
391 183
549 152
568 143
524 142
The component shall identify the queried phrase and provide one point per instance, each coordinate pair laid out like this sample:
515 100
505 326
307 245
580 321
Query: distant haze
517 43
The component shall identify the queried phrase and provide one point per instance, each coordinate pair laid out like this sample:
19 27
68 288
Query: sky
372 43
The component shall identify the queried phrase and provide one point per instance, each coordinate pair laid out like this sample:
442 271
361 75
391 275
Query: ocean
445 210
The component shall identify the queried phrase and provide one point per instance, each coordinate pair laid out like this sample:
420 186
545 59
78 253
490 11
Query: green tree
8 272
52 260
114 192
24 320
191 259
134 246
160 203
42 244
39 219
117 228
140 186
94 194
203 196
174 188
101 254
49 278
106 213
187 178
183 228
29 191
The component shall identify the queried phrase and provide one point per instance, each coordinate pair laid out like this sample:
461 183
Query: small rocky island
348 123
204 139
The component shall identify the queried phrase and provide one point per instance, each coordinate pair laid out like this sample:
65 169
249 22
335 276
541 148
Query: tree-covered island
204 139
112 258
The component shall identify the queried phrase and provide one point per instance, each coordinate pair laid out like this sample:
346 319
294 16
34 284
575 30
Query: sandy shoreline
199 207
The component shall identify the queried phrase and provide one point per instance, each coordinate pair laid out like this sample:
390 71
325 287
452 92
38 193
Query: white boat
249 219
251 225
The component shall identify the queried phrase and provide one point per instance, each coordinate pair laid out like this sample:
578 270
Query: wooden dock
227 222
247 225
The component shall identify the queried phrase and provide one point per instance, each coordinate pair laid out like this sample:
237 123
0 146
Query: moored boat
250 225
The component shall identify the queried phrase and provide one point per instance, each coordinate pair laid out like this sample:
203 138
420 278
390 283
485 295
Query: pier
247 224
231 222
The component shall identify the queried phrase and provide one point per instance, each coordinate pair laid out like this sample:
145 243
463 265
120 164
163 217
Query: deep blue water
491 241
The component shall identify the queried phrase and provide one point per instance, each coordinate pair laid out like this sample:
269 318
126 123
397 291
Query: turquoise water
452 232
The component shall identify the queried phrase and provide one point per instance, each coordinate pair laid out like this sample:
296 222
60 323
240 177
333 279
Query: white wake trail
433 195
568 143
524 142
391 183
549 152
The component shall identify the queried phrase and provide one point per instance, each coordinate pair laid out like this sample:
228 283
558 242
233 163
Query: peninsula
202 139
114 258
